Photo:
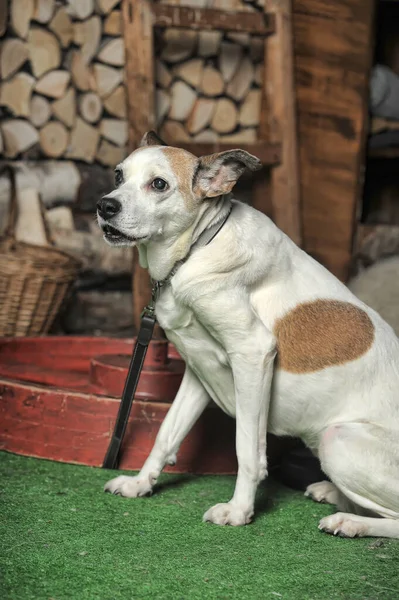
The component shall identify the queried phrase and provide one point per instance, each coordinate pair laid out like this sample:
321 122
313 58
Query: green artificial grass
63 538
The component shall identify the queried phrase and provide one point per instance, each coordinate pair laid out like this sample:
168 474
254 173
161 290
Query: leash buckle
149 310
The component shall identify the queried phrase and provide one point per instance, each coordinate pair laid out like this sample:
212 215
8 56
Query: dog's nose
108 207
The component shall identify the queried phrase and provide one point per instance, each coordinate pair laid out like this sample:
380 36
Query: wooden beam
212 19
138 36
278 122
268 154
332 116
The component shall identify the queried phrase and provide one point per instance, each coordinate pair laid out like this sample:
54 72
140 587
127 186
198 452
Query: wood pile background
208 84
63 110
62 92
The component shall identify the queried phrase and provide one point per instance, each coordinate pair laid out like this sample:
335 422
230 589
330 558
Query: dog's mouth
114 236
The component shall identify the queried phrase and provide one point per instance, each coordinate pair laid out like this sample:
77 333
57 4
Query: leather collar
204 239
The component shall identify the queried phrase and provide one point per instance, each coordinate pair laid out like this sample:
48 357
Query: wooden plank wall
333 48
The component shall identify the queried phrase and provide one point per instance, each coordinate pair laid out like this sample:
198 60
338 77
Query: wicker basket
34 280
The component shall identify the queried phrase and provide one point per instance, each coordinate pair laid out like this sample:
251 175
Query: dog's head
159 190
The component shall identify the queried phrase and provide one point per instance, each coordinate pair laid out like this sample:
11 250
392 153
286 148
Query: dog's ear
217 174
151 139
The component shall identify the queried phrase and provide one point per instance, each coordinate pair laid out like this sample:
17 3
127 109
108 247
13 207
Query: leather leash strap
144 336
148 320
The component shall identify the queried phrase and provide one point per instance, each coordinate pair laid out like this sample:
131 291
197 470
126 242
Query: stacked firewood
63 124
62 92
208 86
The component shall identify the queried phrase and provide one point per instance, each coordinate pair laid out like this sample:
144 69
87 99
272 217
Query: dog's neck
159 257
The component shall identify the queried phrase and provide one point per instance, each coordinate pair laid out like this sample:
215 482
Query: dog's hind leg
349 525
326 492
362 460
323 491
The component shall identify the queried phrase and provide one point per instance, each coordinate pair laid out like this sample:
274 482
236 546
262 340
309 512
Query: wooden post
278 124
138 35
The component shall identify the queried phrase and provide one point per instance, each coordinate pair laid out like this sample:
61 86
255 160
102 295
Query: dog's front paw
227 514
130 487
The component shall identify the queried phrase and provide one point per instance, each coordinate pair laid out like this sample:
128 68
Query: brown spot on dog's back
183 164
321 334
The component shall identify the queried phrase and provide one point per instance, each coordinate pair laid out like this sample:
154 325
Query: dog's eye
159 184
118 177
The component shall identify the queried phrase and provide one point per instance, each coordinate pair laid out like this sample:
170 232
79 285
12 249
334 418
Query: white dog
266 332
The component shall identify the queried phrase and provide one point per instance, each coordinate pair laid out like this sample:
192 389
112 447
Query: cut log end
225 117
18 136
106 79
39 111
113 52
21 15
87 34
44 51
81 73
173 131
54 139
80 9
183 98
201 115
84 141
65 108
53 84
114 130
109 155
44 10
191 71
116 103
14 53
113 23
62 26
90 107
16 94
212 83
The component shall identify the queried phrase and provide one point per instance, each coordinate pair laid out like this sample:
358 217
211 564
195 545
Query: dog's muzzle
108 208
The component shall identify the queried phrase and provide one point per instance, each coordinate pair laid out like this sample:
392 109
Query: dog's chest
204 355
173 315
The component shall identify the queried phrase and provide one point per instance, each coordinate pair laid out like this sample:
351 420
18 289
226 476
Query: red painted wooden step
59 397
